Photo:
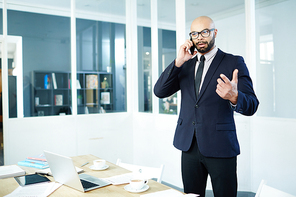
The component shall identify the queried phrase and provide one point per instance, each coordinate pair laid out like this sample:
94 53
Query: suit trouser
196 168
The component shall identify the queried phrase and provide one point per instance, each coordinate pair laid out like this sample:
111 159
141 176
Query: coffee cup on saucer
99 163
137 183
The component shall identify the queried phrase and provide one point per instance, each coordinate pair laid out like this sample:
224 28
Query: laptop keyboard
87 184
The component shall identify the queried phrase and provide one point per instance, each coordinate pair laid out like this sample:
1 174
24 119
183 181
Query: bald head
206 41
201 23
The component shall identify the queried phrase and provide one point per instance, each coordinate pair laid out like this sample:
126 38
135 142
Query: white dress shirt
208 60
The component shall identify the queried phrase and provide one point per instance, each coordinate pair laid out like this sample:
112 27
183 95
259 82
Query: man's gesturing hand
227 89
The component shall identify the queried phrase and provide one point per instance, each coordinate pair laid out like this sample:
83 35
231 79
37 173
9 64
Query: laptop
64 171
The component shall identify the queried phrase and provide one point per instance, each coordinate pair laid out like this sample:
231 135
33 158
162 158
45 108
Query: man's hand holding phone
184 53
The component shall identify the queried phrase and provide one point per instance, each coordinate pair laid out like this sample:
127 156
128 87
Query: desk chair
148 172
267 191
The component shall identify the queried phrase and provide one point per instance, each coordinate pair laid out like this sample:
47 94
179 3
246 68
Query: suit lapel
212 69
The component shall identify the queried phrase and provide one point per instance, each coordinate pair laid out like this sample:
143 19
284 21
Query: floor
209 193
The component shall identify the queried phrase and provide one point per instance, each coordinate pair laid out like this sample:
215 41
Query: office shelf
51 93
94 92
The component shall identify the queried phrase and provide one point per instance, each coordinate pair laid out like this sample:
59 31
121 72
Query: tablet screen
30 179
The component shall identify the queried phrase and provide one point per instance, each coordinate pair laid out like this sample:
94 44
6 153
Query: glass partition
1 19
1 118
167 54
275 67
101 63
46 61
145 87
145 69
46 56
101 70
167 50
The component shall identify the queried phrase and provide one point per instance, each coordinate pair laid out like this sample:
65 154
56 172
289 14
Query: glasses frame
190 34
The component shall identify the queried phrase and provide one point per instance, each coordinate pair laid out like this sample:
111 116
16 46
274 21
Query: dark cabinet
52 93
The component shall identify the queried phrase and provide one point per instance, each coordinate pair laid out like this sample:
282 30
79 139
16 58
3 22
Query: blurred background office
77 78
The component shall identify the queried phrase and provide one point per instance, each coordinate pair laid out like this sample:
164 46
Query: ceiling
166 8
105 8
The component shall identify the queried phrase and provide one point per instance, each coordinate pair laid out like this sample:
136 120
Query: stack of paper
11 171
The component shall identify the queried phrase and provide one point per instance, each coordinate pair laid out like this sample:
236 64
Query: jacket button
196 106
193 123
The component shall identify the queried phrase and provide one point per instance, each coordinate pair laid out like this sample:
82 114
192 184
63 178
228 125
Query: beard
206 49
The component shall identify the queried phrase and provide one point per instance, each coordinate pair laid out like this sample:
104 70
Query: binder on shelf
91 98
78 86
105 98
69 84
46 82
58 99
54 82
92 81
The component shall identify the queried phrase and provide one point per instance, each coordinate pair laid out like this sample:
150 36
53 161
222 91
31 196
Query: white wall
267 150
153 146
107 136
273 153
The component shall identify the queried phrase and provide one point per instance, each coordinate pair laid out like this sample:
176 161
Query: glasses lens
205 33
194 34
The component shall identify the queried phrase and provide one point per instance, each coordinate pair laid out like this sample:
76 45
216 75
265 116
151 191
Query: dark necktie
199 75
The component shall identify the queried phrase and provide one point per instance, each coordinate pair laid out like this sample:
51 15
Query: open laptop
64 171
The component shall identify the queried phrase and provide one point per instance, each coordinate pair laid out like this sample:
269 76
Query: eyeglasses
204 33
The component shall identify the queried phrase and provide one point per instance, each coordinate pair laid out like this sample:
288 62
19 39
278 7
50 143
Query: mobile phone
192 48
30 179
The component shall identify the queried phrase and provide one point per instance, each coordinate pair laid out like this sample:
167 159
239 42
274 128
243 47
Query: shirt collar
208 55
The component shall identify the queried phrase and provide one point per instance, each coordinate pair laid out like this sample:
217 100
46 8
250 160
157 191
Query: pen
84 164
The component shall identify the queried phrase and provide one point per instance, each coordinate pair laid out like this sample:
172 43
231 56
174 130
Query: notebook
64 171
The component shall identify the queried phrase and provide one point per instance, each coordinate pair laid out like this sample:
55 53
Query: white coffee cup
99 163
137 183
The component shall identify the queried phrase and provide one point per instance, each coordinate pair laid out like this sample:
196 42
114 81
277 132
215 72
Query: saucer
103 168
129 189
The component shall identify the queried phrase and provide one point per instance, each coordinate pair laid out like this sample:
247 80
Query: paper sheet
120 179
35 190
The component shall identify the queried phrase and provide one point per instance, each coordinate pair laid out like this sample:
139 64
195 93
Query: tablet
30 179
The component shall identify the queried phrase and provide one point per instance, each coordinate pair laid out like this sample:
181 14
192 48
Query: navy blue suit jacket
209 115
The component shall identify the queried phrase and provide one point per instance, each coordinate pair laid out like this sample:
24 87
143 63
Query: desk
9 185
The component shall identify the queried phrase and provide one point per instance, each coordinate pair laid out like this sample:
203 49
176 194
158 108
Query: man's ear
216 31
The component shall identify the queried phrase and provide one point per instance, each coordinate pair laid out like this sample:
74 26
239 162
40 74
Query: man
213 85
